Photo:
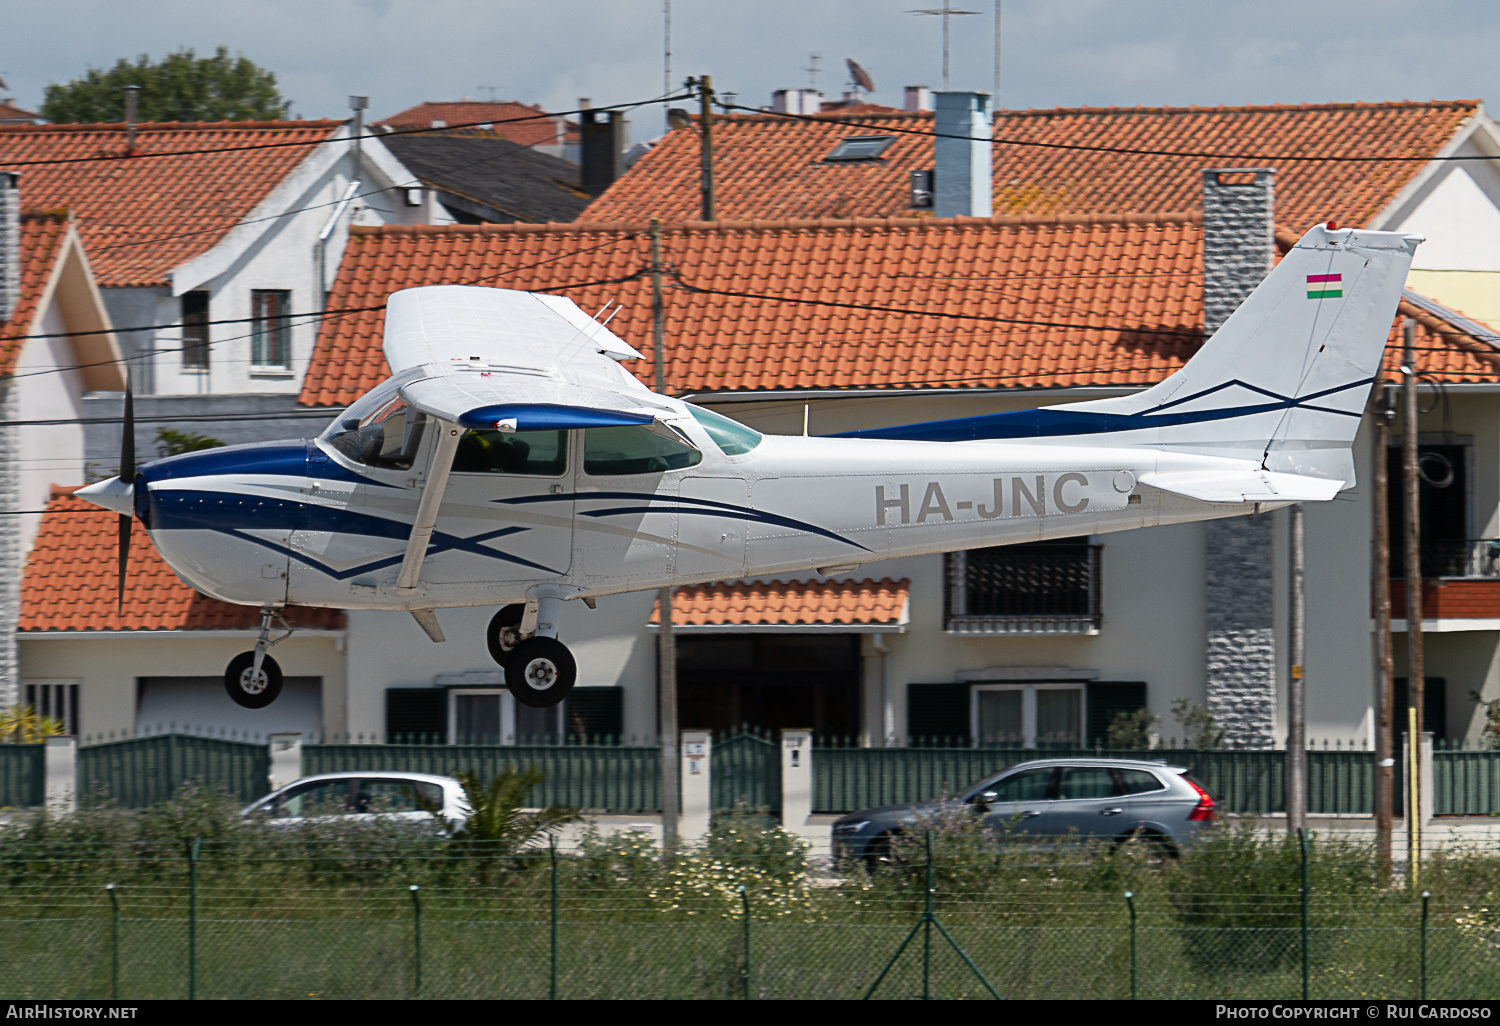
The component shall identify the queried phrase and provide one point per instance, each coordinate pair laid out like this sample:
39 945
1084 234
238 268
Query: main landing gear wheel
248 689
540 672
504 633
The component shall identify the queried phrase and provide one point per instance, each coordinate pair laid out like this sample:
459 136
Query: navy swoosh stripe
1045 422
301 459
753 517
227 513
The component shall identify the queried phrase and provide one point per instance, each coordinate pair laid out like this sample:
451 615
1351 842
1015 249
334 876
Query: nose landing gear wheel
248 689
540 672
504 633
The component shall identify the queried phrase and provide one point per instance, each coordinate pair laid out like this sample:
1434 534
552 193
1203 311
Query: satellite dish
860 76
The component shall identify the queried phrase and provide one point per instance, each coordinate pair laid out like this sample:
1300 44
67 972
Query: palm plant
20 725
497 824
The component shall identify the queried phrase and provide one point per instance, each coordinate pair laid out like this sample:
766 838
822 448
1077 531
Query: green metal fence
140 772
23 770
1465 783
1340 781
600 778
746 770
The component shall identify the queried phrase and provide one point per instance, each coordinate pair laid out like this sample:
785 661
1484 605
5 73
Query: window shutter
937 713
594 714
416 716
1107 699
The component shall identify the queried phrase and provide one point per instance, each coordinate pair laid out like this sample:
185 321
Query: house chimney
10 244
797 101
1239 593
132 95
918 99
1239 237
600 153
962 158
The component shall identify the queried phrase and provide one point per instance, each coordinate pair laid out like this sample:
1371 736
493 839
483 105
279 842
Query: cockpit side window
533 453
387 437
633 450
734 438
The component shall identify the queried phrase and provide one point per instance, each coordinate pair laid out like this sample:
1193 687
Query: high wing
488 359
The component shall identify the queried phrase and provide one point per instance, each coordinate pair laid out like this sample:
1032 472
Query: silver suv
1113 798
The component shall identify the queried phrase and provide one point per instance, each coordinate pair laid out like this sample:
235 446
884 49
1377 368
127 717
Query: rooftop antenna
946 12
666 59
814 65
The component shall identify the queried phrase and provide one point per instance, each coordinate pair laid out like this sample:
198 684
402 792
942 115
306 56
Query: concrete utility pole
706 145
666 639
1414 667
1384 671
1296 742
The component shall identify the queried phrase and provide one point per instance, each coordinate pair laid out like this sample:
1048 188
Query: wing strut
427 509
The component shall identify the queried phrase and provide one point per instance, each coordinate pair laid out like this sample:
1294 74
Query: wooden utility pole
706 145
1296 742
666 639
1384 670
1414 666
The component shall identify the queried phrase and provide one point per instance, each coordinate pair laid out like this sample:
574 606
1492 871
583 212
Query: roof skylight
860 147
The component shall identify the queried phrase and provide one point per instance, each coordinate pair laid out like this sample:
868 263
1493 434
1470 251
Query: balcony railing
1473 557
1040 588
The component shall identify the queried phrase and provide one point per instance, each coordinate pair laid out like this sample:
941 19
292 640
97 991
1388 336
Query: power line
1125 150
323 142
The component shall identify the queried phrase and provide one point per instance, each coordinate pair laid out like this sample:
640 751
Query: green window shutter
937 713
415 716
1107 699
594 714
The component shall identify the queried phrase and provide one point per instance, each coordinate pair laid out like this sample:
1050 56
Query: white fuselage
299 523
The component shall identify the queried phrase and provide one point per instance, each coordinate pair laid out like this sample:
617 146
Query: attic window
860 147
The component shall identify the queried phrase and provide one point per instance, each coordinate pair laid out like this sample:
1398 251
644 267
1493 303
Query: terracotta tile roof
10 114
790 603
1033 303
501 114
42 234
69 582
141 218
769 166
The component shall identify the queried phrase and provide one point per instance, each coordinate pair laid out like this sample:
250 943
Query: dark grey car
1109 798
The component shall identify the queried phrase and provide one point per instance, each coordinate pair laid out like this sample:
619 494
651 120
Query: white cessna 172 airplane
511 461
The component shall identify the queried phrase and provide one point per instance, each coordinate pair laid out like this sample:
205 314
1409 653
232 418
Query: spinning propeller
127 478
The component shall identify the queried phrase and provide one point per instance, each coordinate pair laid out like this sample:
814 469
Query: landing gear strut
253 679
539 669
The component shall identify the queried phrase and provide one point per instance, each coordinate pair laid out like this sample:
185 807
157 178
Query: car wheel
878 851
1154 846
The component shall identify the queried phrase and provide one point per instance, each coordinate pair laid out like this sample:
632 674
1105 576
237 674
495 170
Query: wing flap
1240 486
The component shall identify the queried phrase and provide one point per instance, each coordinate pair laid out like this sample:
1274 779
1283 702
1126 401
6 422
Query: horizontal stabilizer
1244 486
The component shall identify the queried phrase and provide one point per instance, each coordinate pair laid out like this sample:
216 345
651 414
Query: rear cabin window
634 450
1138 781
534 453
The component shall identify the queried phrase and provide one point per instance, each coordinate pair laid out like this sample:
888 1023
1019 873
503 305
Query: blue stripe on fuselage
1050 422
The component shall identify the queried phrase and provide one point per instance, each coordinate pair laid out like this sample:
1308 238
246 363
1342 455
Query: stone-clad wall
1238 240
10 485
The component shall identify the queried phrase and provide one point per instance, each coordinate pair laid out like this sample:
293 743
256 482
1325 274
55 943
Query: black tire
878 851
540 672
252 694
1157 846
504 633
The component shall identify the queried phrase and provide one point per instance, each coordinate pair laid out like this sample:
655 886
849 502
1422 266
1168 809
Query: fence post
696 789
927 928
1130 902
286 759
416 938
796 781
1425 896
552 983
61 755
114 943
745 915
193 849
1306 962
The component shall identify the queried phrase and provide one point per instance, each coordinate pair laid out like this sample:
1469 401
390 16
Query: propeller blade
127 475
125 522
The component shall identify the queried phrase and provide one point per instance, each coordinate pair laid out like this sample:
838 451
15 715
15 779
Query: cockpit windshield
379 431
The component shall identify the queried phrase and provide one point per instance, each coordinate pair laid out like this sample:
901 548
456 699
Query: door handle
1027 814
1110 812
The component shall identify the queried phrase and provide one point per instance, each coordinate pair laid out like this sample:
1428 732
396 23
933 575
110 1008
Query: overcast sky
1056 52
